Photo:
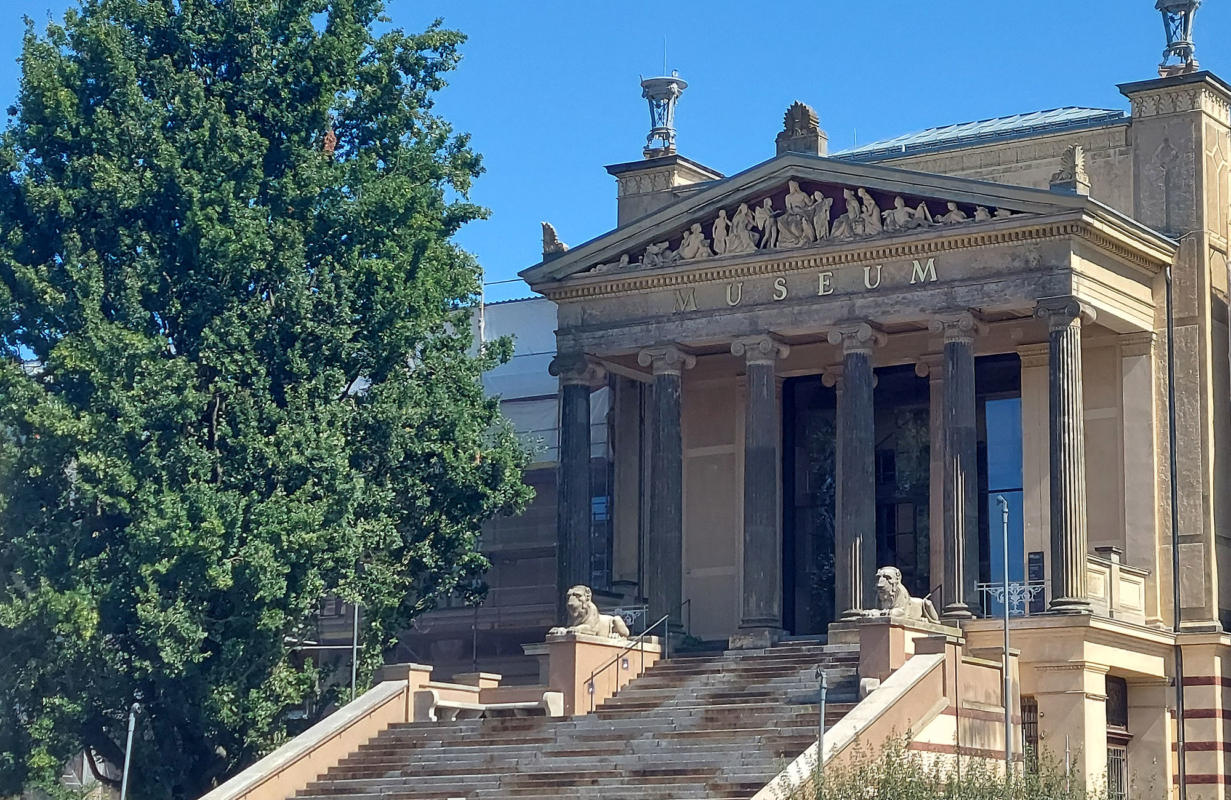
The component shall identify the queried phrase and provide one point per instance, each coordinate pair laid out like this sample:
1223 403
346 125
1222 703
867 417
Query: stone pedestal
665 564
886 642
855 535
567 660
1068 454
761 601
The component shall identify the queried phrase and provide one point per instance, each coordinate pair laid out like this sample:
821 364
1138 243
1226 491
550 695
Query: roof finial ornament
1178 27
662 94
801 132
1072 177
552 246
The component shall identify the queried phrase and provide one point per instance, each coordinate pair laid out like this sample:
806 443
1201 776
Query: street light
1008 729
128 748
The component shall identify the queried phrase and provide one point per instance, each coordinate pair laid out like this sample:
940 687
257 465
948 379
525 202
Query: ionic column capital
1064 312
666 359
856 337
577 369
761 349
957 326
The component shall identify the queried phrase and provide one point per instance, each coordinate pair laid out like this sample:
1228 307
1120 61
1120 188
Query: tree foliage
236 370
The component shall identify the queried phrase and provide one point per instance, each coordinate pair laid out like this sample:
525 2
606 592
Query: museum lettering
818 284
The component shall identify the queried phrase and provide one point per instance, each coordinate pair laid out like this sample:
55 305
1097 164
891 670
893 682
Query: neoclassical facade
947 354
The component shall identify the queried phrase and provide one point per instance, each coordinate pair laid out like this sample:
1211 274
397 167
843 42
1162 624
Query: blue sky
549 90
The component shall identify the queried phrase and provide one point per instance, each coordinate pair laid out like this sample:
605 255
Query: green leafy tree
236 371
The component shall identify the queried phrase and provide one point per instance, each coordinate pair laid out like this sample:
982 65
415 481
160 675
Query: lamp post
1008 698
820 730
128 749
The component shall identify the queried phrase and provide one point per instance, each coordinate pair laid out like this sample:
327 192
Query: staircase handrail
637 642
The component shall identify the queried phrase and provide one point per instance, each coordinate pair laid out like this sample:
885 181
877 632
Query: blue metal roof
984 131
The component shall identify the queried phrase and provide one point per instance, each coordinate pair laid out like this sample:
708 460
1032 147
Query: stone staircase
711 727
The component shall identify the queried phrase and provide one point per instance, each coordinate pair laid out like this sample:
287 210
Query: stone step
715 726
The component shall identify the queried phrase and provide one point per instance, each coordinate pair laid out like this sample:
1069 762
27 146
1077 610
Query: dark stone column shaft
761 604
1069 539
574 548
961 468
573 545
855 537
665 567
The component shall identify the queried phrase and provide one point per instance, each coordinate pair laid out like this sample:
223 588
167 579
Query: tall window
998 383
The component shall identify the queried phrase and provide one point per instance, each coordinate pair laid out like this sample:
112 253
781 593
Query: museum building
992 355
821 365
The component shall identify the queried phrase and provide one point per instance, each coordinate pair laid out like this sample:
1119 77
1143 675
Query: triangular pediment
799 202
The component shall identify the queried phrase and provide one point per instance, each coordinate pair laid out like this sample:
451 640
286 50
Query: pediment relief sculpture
797 217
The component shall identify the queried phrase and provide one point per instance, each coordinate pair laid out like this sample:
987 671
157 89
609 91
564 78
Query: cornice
1110 239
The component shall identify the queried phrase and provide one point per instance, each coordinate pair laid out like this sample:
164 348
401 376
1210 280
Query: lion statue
583 617
892 599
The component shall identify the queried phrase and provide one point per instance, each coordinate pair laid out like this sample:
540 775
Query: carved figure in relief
904 218
982 214
850 224
613 265
892 599
584 617
1003 213
953 216
741 239
768 223
795 227
694 244
821 206
872 222
659 254
719 233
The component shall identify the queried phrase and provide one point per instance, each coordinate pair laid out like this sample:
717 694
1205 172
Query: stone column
761 604
574 550
855 536
1067 494
665 565
960 475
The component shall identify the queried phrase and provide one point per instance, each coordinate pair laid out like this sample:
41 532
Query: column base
1069 605
957 611
756 638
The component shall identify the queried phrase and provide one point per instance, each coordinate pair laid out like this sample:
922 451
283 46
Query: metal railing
638 643
1025 598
